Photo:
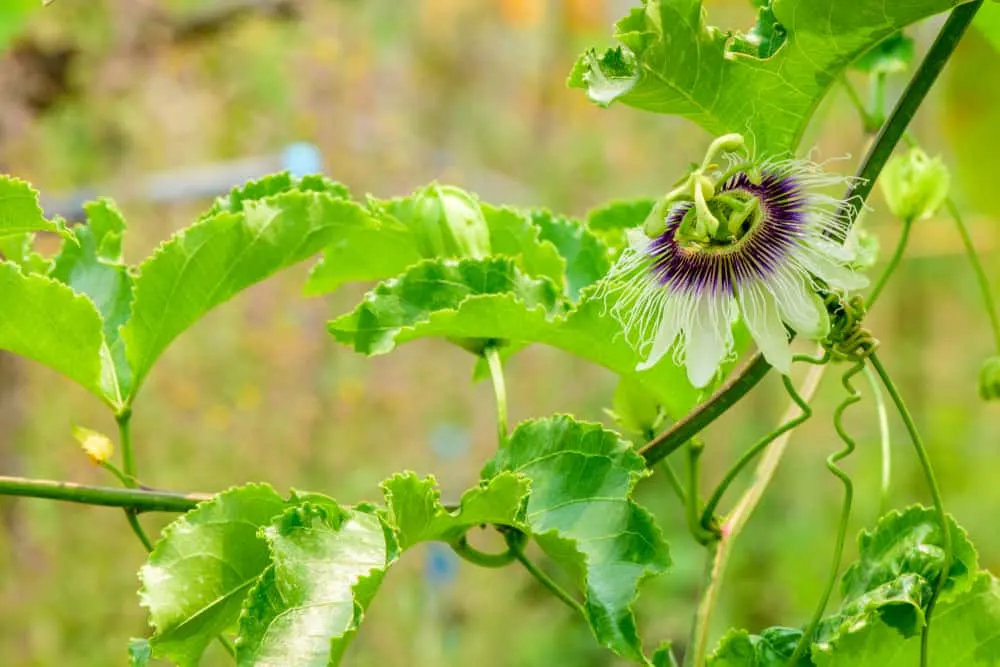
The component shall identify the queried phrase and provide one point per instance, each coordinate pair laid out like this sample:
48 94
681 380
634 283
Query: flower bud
989 379
448 222
97 446
914 185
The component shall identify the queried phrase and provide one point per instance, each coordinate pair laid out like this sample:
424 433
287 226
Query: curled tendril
848 340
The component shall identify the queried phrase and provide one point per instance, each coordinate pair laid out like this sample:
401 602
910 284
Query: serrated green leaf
432 290
676 63
93 266
20 249
198 575
964 631
514 234
581 512
213 260
664 656
587 257
614 218
327 565
276 184
415 509
908 542
45 320
375 247
139 652
772 648
20 211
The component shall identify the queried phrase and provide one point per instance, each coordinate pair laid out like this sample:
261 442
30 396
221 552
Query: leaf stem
495 364
139 500
749 455
737 519
516 548
890 268
124 420
693 505
737 386
925 463
845 513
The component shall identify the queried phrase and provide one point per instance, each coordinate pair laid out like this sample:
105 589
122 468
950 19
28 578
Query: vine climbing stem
492 354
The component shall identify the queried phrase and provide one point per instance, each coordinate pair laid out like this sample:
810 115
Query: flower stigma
738 238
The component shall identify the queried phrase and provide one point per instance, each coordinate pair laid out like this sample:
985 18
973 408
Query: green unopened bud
97 446
989 379
635 410
915 185
448 222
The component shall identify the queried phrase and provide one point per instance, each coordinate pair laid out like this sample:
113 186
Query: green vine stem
845 513
693 505
468 552
885 443
737 519
925 463
753 452
737 386
136 499
495 364
890 268
977 267
124 420
515 547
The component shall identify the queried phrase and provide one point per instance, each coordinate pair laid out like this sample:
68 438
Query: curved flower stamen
683 288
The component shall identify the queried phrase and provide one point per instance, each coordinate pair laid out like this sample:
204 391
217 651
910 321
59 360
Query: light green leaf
197 577
674 62
587 258
772 648
964 631
328 562
416 513
139 652
276 184
20 211
613 219
433 290
93 266
20 249
374 247
581 512
46 321
514 234
213 260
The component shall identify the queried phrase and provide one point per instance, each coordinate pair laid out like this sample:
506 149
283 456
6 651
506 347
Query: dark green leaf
94 266
20 211
328 562
213 260
581 512
613 219
46 321
197 577
675 63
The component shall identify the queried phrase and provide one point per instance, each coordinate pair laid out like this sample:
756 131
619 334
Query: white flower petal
800 306
763 319
672 320
709 339
836 276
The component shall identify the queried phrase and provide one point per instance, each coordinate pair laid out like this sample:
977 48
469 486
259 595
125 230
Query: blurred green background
396 94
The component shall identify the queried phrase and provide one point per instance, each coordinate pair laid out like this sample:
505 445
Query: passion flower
751 241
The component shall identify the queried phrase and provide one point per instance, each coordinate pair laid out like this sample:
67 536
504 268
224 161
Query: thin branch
139 500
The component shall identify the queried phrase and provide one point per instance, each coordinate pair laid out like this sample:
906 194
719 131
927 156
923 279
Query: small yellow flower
95 445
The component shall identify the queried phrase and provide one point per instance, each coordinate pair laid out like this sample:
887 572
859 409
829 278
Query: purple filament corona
765 247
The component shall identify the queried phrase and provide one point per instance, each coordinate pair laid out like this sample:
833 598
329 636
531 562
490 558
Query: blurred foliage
396 95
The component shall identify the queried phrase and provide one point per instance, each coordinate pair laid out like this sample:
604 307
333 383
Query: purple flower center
755 253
